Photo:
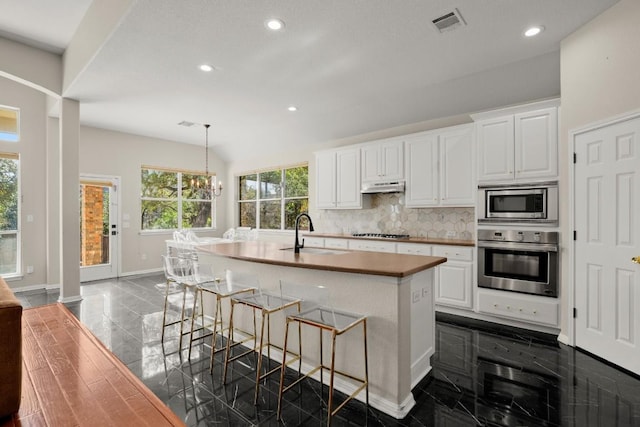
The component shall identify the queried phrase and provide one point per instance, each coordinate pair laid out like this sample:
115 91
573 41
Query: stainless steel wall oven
519 261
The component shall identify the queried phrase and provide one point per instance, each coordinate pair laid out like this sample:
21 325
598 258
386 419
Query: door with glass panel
99 228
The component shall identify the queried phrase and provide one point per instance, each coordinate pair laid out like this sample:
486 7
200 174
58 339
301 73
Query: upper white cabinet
338 179
326 180
519 143
382 161
440 168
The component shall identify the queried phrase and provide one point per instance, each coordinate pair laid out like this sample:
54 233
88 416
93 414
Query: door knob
636 259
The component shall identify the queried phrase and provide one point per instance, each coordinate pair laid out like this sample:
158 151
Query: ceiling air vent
449 21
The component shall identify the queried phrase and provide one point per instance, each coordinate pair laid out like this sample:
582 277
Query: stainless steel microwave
519 203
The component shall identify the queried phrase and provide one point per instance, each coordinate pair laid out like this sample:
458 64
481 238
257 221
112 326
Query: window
9 124
271 200
170 201
9 231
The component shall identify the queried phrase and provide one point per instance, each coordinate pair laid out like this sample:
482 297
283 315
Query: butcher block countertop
423 240
375 263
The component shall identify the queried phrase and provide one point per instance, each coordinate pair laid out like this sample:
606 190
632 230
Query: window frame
15 138
18 232
258 200
179 200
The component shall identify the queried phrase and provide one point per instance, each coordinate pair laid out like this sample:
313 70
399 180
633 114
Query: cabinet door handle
636 259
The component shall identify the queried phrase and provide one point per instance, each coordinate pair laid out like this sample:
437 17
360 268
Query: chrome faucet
299 246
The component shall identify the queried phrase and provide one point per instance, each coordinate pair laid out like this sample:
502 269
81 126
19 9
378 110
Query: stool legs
259 346
332 368
259 364
218 320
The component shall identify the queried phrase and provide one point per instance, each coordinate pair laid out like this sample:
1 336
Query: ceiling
351 67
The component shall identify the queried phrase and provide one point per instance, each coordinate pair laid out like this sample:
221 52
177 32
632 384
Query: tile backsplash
388 214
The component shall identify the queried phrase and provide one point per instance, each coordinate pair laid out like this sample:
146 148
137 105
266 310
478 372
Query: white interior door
99 228
607 219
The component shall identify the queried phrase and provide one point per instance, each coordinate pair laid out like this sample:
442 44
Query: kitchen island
395 291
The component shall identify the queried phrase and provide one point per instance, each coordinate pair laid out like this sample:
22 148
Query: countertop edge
417 240
323 262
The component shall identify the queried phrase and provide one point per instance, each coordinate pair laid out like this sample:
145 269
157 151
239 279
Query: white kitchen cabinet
372 245
383 161
521 146
413 249
326 180
421 158
338 179
454 284
528 308
440 168
313 242
336 243
457 167
536 144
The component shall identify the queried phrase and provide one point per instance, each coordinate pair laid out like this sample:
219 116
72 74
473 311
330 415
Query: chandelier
206 188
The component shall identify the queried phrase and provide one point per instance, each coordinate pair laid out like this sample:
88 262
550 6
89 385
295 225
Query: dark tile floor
483 374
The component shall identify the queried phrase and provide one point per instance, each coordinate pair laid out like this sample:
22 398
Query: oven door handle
542 247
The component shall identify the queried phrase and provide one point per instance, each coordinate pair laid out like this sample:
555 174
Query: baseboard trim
69 300
141 272
564 339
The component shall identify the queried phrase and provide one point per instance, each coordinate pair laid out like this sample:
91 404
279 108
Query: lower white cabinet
372 245
530 308
413 249
313 242
336 243
454 283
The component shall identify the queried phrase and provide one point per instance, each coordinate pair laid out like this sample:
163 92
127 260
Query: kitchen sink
317 251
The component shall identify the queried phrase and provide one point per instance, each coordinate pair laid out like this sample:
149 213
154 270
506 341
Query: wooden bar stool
266 304
319 313
220 288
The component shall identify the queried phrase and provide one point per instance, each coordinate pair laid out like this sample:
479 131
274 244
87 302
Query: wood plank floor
70 379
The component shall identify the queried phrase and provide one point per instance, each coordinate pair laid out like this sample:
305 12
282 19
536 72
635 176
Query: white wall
599 78
101 152
104 152
35 67
31 148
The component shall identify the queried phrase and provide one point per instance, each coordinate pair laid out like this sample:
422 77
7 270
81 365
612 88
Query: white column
69 201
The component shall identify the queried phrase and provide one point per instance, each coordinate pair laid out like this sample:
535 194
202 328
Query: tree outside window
9 232
271 200
169 201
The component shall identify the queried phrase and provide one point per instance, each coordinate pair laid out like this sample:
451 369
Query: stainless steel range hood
383 187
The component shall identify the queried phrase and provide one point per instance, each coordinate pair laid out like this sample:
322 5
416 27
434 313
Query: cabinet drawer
413 249
457 253
336 243
529 308
372 245
314 242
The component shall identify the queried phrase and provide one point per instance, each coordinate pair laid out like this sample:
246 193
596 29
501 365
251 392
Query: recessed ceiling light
206 67
292 108
533 31
275 24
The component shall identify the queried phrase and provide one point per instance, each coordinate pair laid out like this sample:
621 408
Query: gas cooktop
382 235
